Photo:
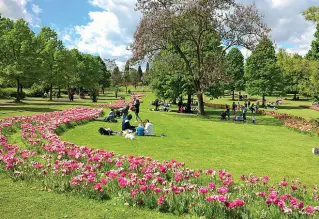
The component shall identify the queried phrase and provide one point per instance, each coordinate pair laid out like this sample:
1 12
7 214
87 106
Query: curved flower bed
167 186
294 122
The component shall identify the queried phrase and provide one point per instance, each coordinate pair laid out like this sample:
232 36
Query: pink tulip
309 210
222 190
203 190
160 200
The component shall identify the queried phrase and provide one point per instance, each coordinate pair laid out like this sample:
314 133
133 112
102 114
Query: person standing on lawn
244 113
228 112
234 106
136 104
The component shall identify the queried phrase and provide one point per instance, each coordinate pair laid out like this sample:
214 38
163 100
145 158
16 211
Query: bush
10 93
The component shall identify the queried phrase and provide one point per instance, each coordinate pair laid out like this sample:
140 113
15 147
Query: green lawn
267 148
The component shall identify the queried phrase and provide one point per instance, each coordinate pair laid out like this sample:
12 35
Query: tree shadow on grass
215 116
286 107
24 109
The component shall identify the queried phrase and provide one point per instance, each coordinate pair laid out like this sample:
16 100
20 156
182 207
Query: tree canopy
262 73
199 32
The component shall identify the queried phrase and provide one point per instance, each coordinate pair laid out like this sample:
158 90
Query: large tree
235 70
116 78
126 75
140 73
147 75
294 68
168 78
263 75
186 27
18 55
49 47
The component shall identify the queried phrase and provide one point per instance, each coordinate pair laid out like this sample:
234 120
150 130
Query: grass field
267 148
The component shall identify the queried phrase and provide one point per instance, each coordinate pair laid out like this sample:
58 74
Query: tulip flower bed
297 123
116 105
310 107
167 186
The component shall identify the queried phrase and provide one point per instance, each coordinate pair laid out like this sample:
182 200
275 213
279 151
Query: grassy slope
267 148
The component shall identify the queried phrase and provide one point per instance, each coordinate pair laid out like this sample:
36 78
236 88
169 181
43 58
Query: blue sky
106 27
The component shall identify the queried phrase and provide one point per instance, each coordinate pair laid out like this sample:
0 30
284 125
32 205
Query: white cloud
16 9
289 29
109 32
36 9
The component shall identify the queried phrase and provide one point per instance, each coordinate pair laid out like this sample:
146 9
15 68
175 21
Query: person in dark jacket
136 105
126 124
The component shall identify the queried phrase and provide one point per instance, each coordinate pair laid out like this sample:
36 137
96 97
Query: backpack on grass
105 131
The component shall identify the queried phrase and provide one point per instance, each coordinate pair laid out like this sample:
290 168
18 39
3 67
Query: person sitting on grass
126 124
148 130
140 129
111 116
223 115
254 120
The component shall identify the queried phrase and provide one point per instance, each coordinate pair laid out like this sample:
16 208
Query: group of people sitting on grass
242 115
143 129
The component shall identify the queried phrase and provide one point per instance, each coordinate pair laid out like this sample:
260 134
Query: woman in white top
148 128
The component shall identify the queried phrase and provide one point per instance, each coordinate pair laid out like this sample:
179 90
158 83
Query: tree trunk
59 93
264 100
51 89
233 94
200 103
189 99
295 96
18 91
21 90
102 90
125 89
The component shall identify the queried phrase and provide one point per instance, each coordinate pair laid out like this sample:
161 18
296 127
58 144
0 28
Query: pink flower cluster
167 185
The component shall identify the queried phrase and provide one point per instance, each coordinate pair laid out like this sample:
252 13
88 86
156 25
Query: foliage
116 77
147 77
26 59
263 76
294 69
235 70
140 73
126 75
17 46
312 14
313 53
169 80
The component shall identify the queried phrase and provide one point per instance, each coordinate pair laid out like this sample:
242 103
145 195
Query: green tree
169 80
263 75
116 77
235 70
140 73
105 75
18 55
313 53
294 68
147 75
49 49
126 75
134 77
